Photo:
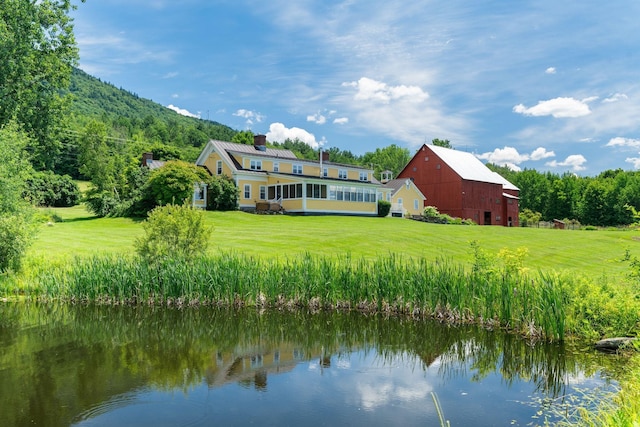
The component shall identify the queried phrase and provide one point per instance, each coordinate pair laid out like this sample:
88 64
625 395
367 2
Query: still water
66 365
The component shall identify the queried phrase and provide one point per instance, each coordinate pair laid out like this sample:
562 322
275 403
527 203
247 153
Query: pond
88 365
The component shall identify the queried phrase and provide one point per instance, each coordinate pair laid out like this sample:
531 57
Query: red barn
460 185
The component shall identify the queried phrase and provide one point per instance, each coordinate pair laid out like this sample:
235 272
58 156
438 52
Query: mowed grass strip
592 253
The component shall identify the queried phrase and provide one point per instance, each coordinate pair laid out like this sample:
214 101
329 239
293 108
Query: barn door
487 218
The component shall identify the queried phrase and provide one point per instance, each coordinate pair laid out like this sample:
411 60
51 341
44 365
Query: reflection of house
275 179
405 197
460 185
246 365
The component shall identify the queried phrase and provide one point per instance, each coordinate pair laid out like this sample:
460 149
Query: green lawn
594 253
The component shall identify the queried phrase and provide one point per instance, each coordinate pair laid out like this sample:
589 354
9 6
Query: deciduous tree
37 52
16 226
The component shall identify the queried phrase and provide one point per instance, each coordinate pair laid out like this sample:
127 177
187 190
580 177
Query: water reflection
92 365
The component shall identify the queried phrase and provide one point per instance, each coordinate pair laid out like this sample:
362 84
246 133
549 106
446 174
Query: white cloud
511 158
615 98
279 133
635 161
317 118
170 75
541 153
373 90
104 53
574 161
550 70
175 95
402 113
341 120
182 111
623 142
557 107
504 156
251 116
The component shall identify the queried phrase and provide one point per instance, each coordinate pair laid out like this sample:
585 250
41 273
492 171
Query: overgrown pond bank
541 305
97 365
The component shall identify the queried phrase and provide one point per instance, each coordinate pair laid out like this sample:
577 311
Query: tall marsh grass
491 293
531 305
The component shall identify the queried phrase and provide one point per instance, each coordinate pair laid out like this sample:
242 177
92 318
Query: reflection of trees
63 360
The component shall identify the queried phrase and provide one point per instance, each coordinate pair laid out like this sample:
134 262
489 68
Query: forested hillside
129 116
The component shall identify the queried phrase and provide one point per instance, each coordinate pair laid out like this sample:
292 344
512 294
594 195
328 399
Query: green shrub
173 182
16 232
48 189
173 231
101 203
222 194
383 208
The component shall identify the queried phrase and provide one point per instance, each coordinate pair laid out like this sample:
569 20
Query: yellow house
405 197
273 179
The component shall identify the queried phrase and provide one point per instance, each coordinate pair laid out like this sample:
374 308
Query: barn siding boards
460 185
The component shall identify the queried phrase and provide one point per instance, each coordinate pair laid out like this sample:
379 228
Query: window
297 169
263 192
400 201
286 191
247 191
276 166
342 174
416 205
219 167
256 165
364 176
199 191
316 191
325 172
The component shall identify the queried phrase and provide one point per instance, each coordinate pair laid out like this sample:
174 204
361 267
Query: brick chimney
260 142
324 156
146 158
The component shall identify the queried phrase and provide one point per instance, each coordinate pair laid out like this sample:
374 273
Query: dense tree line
604 200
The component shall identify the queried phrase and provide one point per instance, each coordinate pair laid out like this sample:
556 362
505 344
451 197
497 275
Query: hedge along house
460 185
276 177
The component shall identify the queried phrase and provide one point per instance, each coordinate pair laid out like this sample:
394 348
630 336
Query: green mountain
128 115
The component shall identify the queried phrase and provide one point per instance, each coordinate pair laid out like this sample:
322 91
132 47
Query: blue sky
547 85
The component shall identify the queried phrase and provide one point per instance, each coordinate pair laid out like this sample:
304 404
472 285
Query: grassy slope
593 253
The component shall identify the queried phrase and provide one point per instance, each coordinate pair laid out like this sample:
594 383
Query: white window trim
255 165
295 167
276 166
244 193
219 167
342 174
263 192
